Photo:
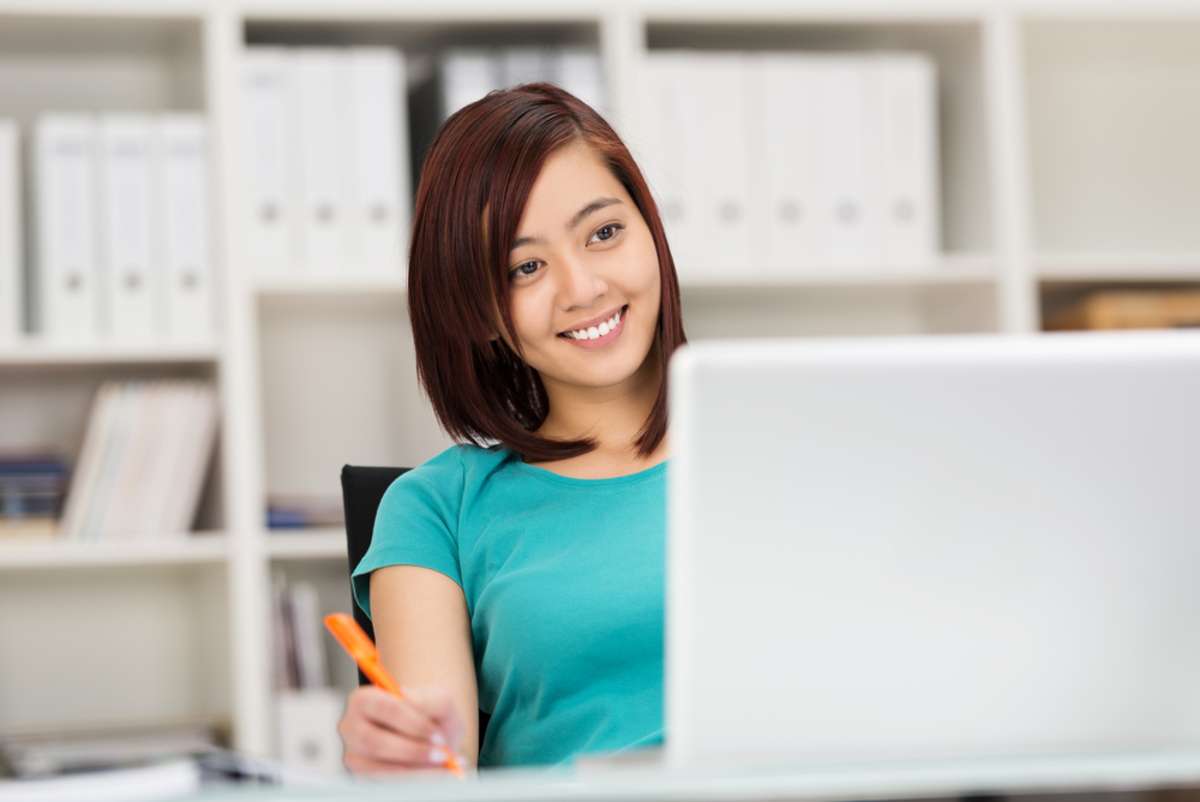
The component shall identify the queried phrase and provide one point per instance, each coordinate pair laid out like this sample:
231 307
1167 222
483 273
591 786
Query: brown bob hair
484 161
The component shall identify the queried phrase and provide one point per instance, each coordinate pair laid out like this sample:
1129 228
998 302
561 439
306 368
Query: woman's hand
383 734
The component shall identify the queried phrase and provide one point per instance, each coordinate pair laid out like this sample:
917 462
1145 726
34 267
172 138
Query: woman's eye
520 270
614 227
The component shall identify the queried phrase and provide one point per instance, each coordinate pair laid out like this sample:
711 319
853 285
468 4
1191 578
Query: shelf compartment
1113 107
121 646
101 61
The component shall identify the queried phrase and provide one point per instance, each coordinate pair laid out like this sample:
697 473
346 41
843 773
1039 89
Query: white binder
717 163
467 74
65 281
132 306
578 70
11 283
525 64
785 189
911 209
181 144
850 161
322 108
379 186
663 148
268 139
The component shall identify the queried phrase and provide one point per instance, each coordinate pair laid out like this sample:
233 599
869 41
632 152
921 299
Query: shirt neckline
574 481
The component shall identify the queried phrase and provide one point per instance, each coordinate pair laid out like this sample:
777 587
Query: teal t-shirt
563 580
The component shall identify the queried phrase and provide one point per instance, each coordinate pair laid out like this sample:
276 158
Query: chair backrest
362 490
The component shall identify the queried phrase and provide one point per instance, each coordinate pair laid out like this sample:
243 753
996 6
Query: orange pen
358 645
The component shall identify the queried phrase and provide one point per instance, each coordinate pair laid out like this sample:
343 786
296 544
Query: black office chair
362 490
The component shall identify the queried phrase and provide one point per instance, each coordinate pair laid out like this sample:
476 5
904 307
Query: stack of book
297 636
32 487
304 512
122 229
144 459
1129 309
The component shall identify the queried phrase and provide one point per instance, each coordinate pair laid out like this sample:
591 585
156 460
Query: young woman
520 572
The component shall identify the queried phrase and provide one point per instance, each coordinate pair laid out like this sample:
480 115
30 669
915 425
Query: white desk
835 784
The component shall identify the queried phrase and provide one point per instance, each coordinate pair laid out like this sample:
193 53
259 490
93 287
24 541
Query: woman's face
583 253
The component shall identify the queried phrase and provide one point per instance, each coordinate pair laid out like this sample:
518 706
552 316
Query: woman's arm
424 637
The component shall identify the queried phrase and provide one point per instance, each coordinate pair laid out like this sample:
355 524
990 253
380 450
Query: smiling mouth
600 333
621 318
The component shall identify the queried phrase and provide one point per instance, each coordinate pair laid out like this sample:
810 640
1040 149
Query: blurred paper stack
144 460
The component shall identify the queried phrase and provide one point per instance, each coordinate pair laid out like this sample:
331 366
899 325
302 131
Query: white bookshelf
191 548
1043 184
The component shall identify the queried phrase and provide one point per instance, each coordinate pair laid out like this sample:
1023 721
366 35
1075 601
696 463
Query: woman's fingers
404 716
383 733
438 705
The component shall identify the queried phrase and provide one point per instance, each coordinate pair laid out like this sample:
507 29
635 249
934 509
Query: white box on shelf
378 208
850 154
577 69
132 289
322 107
784 167
306 729
181 144
11 283
269 139
65 277
663 148
526 64
718 163
467 74
910 211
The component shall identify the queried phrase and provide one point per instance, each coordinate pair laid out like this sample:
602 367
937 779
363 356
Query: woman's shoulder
456 468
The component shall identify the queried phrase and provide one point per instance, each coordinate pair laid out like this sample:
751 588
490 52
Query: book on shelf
444 81
297 635
144 458
298 511
1129 309
32 487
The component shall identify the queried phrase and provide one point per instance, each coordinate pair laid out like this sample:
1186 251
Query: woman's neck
612 416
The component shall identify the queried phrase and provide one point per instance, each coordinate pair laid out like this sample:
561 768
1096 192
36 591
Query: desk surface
1096 773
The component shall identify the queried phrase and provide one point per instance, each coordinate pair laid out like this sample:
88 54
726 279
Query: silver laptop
930 551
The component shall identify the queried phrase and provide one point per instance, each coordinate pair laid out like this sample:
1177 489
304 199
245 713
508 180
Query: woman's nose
581 283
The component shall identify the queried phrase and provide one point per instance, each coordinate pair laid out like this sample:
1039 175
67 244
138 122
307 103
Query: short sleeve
416 524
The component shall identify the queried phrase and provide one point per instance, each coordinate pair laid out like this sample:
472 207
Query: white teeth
593 332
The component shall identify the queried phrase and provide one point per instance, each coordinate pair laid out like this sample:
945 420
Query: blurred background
204 211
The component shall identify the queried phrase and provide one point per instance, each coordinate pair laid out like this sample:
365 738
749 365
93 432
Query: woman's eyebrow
597 204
